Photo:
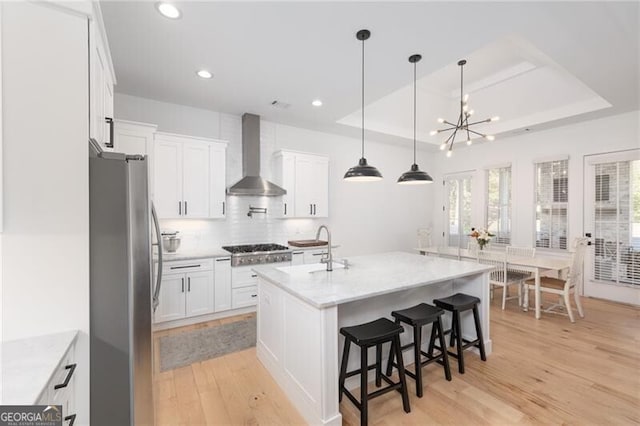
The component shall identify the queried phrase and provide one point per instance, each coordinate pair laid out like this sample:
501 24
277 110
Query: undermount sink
308 268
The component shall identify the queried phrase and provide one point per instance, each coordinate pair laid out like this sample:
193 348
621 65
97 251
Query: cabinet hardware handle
254 295
189 284
297 252
319 254
185 208
184 266
285 208
314 209
254 276
71 419
71 368
223 207
311 209
180 208
110 121
225 259
182 279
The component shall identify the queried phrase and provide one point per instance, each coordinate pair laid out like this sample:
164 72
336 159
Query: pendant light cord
362 99
414 113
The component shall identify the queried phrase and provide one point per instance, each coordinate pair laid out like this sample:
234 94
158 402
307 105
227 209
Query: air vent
280 104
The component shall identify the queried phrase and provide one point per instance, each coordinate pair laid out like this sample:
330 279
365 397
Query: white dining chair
565 287
500 276
515 251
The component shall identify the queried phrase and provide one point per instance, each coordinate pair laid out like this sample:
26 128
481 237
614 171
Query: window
552 195
499 204
458 210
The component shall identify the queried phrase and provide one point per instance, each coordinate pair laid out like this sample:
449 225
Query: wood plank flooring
540 372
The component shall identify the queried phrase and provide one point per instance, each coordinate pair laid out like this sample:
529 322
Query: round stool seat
420 314
372 332
457 302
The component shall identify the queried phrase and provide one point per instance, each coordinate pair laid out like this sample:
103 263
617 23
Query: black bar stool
374 333
455 304
417 317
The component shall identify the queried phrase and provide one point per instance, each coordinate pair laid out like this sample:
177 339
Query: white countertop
28 364
368 276
193 254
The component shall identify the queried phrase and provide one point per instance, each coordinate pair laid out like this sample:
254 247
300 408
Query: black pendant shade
363 172
415 176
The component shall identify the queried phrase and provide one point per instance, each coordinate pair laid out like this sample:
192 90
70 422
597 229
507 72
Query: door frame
617 292
459 176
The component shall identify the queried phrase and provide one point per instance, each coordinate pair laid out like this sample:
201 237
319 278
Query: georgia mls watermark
30 415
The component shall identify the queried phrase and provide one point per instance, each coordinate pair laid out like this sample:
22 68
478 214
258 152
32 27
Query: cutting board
307 243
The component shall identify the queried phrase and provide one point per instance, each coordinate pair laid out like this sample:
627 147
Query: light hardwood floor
540 372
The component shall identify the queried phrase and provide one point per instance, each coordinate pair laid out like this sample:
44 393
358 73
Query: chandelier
462 125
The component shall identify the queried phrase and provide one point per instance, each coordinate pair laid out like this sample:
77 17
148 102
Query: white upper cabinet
306 178
189 176
217 180
195 183
101 86
133 138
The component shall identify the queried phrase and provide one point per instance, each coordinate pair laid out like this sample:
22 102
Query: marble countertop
368 276
193 254
28 365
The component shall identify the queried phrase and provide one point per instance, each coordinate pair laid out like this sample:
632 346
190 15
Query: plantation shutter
551 203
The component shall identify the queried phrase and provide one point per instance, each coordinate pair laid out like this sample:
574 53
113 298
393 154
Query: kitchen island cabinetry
300 314
306 178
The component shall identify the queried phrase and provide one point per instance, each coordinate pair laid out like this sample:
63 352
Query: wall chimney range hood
252 184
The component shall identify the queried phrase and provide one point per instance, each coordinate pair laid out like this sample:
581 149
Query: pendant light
363 172
414 176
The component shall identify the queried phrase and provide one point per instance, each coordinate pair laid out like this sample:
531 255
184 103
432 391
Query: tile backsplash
239 228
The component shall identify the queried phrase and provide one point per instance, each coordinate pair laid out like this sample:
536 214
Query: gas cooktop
256 254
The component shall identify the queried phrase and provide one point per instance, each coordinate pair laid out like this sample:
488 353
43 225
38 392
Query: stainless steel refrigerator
121 289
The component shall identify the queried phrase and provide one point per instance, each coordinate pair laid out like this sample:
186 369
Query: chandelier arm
488 120
478 133
450 124
453 126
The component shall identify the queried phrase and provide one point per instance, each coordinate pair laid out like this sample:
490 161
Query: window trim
487 169
567 249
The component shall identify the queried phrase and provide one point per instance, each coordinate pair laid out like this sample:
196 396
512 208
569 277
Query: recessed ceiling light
204 74
168 10
316 103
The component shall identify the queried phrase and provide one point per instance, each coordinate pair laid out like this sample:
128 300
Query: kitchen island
301 309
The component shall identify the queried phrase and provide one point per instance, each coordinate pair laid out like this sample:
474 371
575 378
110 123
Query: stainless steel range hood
252 183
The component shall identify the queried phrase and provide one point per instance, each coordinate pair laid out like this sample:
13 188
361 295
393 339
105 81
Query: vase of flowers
482 237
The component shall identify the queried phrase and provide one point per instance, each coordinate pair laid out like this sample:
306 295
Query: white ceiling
535 64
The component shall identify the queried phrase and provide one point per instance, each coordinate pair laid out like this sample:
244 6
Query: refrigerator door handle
156 290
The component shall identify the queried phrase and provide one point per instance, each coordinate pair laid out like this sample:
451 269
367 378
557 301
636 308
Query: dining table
537 265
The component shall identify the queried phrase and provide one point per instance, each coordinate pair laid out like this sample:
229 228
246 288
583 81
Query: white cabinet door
297 258
168 179
218 180
195 184
107 98
320 187
304 185
133 138
286 175
172 298
222 284
199 293
314 256
99 68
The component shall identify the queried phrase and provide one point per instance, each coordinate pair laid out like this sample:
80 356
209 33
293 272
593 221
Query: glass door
457 210
612 217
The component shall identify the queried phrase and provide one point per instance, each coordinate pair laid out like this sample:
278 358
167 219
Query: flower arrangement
482 236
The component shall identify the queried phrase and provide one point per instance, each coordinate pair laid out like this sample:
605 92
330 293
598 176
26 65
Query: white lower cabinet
187 290
61 388
245 296
297 257
314 256
222 284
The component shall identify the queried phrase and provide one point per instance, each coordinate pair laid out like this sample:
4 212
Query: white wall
610 134
364 218
45 245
